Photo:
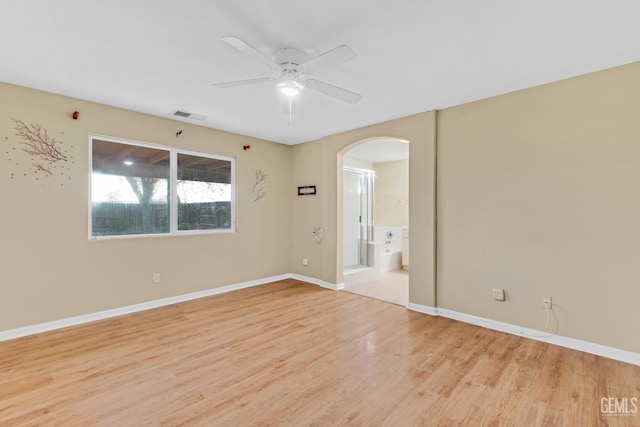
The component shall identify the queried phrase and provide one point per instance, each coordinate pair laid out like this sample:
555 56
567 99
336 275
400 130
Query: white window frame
173 194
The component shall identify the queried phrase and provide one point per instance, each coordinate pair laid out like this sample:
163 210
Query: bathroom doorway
375 215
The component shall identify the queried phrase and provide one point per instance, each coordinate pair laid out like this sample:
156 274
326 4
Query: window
203 190
139 189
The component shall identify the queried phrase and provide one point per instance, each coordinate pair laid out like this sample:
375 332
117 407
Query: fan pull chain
290 111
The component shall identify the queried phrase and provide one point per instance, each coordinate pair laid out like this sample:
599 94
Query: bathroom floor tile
391 287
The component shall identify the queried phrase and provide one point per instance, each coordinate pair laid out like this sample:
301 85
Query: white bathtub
388 259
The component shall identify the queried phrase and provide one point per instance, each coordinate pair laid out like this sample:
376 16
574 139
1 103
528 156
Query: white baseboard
575 344
425 309
572 343
106 314
314 281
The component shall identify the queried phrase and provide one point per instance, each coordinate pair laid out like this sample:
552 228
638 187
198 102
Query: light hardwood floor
293 354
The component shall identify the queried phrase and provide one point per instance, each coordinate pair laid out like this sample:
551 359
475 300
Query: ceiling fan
291 64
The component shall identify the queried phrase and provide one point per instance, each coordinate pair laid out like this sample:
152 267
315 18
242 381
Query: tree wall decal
47 156
260 184
40 145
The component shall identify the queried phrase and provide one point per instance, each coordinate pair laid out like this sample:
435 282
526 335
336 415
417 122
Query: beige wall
539 195
392 193
306 211
321 162
49 268
357 164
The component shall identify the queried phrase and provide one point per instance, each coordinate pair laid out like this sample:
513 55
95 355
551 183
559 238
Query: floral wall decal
260 184
47 156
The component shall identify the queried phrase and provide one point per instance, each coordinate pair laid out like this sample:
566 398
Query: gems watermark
619 406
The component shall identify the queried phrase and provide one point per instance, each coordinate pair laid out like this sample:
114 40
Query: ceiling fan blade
327 59
242 82
246 48
333 91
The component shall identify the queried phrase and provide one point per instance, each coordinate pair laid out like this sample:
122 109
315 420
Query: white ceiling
413 55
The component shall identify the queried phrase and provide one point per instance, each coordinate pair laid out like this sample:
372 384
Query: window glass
129 189
139 189
204 192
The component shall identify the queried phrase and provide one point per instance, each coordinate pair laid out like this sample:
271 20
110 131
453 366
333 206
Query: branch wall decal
48 158
259 187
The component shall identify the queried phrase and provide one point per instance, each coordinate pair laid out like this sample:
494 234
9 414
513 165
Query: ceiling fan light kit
291 63
289 87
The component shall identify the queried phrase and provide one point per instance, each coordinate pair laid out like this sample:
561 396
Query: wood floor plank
293 354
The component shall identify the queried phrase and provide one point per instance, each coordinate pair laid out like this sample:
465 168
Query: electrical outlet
498 294
156 277
546 302
305 261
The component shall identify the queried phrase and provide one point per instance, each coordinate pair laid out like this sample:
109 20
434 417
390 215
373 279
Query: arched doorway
374 179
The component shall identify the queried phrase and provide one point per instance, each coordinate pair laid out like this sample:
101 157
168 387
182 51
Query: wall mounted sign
307 190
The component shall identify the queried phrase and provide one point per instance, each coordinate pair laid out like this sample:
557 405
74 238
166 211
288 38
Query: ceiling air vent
191 116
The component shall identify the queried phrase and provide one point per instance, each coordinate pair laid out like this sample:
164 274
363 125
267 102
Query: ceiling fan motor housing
289 58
